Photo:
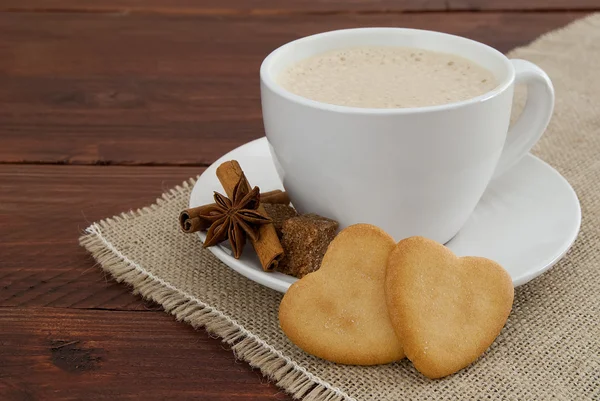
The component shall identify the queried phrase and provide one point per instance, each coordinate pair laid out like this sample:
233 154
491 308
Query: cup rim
269 81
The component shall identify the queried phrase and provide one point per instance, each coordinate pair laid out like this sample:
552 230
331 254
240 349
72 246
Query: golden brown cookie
339 312
446 310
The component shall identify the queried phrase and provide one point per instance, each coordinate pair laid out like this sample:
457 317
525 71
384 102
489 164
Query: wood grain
273 7
43 210
62 354
151 89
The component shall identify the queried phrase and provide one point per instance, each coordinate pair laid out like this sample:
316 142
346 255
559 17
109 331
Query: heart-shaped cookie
339 312
445 310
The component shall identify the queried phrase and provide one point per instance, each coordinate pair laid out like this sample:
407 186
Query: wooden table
106 104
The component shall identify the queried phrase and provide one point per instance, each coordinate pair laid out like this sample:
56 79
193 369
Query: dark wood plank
152 89
262 7
62 354
520 5
43 210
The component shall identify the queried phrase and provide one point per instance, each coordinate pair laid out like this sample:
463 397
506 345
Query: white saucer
526 221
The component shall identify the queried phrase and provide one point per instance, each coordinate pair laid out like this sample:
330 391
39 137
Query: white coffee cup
410 171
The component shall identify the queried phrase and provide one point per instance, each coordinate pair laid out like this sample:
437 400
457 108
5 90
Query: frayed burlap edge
286 374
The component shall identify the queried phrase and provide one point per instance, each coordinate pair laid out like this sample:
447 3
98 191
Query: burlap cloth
550 347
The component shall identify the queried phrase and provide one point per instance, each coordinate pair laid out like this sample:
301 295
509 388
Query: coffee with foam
387 77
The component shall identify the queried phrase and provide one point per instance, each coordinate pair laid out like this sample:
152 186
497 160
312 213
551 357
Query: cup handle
532 123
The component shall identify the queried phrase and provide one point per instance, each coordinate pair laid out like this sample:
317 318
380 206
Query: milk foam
387 77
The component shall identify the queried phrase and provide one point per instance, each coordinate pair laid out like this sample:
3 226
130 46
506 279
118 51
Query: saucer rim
281 282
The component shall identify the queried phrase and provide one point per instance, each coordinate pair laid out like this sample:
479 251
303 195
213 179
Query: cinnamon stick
276 196
267 246
190 221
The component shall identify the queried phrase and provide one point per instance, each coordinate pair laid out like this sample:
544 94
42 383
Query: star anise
235 218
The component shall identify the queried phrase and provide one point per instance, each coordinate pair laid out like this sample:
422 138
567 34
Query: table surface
106 104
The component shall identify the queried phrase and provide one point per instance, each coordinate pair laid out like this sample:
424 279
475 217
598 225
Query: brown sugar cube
279 213
305 239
